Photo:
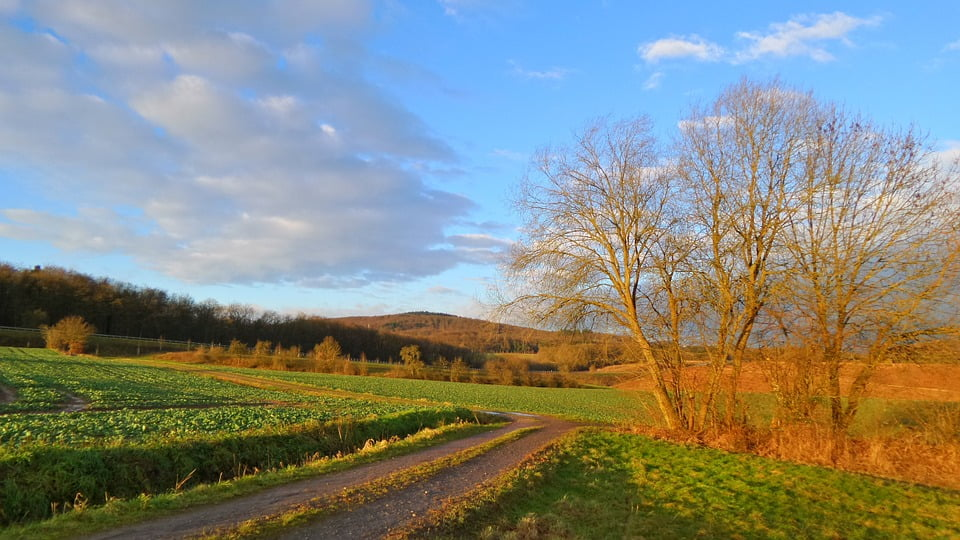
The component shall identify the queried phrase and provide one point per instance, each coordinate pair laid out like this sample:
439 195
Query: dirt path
374 519
72 403
7 395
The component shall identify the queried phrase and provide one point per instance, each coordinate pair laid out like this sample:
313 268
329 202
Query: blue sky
349 157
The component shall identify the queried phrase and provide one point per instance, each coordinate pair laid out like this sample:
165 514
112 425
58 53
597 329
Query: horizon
358 158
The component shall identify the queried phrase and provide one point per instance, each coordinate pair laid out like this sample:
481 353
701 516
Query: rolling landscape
479 269
94 444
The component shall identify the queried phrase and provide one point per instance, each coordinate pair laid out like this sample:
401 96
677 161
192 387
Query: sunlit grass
607 485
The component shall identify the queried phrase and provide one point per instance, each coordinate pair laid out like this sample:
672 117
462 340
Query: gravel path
374 519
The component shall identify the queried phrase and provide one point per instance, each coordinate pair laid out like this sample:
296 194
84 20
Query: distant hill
473 334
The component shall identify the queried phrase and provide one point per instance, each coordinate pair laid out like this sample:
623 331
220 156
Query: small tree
412 360
70 334
458 370
326 354
262 349
237 348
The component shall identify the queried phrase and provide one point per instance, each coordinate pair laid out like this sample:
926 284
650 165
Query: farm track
374 518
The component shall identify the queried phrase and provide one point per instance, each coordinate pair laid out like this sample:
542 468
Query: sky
344 157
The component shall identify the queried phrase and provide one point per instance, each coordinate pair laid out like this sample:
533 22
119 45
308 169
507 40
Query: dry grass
926 382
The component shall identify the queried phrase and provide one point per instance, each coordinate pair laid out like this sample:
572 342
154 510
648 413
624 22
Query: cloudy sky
349 157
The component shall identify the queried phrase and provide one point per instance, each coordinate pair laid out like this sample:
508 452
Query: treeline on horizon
33 297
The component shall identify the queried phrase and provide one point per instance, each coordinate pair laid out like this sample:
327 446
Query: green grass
36 480
42 379
607 485
597 405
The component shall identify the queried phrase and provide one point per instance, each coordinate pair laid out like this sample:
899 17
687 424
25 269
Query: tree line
36 297
773 227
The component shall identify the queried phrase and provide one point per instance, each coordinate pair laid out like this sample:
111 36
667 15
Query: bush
70 335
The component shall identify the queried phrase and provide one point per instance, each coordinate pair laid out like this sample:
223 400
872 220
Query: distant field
607 485
924 382
604 405
595 405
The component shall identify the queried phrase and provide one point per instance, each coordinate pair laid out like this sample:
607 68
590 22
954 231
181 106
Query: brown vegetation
69 335
920 382
778 229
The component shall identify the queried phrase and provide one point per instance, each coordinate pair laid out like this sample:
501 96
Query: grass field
605 405
588 404
608 485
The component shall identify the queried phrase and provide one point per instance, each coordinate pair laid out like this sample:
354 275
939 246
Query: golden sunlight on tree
779 228
70 334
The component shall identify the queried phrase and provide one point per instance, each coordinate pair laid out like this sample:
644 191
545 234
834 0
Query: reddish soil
375 518
928 382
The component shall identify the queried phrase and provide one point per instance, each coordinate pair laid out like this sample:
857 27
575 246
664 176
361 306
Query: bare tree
598 249
873 250
739 160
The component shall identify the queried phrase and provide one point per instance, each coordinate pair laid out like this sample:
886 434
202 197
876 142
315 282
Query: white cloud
803 36
952 46
249 150
9 6
680 47
653 81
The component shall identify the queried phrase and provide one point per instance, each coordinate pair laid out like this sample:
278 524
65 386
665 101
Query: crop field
146 429
44 381
595 405
608 485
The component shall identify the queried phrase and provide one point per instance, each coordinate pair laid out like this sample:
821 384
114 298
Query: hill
473 334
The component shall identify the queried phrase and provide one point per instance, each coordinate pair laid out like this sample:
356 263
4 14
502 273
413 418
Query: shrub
70 334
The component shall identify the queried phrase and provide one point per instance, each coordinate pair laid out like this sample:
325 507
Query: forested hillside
36 296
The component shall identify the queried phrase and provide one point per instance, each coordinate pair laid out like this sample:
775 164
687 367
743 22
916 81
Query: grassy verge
366 493
607 485
42 480
84 520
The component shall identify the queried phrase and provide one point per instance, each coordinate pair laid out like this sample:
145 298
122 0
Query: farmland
143 429
595 405
130 429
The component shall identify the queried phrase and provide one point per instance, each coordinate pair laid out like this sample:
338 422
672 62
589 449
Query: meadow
613 485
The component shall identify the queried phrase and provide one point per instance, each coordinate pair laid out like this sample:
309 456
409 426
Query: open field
608 485
587 404
155 427
79 430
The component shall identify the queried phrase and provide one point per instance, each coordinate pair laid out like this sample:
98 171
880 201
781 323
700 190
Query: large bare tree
740 159
775 213
873 251
600 247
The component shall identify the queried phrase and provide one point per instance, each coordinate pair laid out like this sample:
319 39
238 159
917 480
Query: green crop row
36 482
43 379
124 426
